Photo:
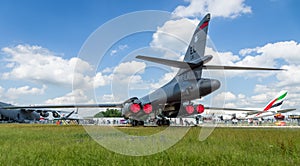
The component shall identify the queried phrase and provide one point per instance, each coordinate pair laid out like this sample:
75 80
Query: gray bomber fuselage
179 92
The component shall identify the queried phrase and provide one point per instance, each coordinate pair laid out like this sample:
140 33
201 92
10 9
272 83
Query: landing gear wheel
134 123
137 123
167 122
159 122
163 122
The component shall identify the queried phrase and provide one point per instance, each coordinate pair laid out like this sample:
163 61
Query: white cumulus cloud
14 93
38 64
174 35
218 8
225 96
71 98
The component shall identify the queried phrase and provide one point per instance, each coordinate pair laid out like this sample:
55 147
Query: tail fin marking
277 102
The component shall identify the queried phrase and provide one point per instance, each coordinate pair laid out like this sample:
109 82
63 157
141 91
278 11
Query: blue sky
267 31
62 25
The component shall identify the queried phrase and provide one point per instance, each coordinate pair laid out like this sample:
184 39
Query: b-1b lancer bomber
174 98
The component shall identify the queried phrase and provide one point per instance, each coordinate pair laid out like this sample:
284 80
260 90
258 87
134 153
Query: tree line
109 113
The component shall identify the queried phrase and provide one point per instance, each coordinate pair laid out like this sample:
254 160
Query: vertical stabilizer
276 103
197 45
195 51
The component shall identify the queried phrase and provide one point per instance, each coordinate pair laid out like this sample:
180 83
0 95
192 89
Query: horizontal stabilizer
177 64
215 67
65 106
187 65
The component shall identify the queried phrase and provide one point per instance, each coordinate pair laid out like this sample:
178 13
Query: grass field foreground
25 144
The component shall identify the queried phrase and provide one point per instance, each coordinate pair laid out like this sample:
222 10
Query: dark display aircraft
23 115
18 115
174 98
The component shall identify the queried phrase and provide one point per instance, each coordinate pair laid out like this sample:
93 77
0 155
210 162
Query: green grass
71 145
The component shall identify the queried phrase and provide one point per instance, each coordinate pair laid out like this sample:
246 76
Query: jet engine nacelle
44 114
200 108
55 114
184 110
136 109
279 116
130 109
194 109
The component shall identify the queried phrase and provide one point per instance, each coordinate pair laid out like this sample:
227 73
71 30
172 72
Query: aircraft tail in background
276 103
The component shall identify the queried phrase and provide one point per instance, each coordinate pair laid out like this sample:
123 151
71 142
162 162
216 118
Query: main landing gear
162 121
137 123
